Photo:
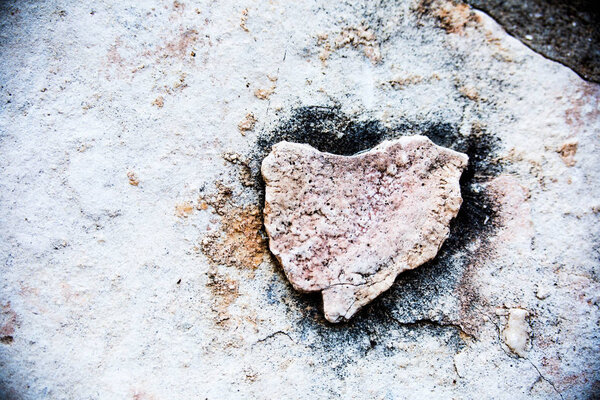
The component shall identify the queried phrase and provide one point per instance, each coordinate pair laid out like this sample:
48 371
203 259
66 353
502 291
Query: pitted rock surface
348 225
130 231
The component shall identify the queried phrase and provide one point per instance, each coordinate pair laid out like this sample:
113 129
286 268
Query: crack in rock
272 335
346 226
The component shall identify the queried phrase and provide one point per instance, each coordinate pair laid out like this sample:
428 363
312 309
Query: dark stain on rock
566 31
8 323
326 129
412 299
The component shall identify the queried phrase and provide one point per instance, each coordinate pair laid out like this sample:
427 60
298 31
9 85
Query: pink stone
348 225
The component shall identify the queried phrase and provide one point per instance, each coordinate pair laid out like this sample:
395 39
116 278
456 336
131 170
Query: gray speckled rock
347 226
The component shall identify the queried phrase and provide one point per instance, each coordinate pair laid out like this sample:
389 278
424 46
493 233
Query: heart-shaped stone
348 225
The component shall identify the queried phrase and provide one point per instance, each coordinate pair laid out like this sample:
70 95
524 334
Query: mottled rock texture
131 237
515 334
348 225
566 31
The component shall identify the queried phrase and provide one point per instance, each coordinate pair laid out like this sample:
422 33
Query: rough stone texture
105 285
567 31
346 226
516 332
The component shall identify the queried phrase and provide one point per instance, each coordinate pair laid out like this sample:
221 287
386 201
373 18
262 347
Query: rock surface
565 31
105 284
346 226
516 332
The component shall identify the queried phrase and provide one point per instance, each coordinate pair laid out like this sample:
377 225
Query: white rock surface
346 226
105 291
516 332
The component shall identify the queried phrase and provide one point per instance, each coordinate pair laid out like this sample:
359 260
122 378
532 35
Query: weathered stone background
133 260
567 31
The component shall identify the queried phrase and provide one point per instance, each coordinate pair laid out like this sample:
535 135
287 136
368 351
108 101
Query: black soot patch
409 302
326 129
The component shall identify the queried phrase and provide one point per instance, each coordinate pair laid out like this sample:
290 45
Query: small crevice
542 377
430 323
272 335
516 357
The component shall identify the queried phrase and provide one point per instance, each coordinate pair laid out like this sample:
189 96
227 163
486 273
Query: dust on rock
179 46
264 94
247 124
469 92
239 242
183 210
451 16
133 178
567 152
159 102
402 82
350 36
225 291
245 172
243 20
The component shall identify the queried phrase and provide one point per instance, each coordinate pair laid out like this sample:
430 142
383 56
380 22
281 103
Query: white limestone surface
132 260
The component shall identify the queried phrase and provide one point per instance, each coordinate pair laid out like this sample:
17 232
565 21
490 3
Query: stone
516 333
542 292
346 226
567 152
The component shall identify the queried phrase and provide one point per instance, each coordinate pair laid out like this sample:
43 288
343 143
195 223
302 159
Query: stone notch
348 225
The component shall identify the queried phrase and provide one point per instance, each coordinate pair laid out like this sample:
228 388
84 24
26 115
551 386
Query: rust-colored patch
513 223
244 19
142 395
514 212
221 201
360 37
180 47
133 178
250 375
247 124
567 152
469 92
159 102
453 17
115 63
472 306
356 37
178 6
113 56
264 94
239 242
585 106
8 323
180 84
184 209
402 81
322 40
325 53
246 178
553 367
